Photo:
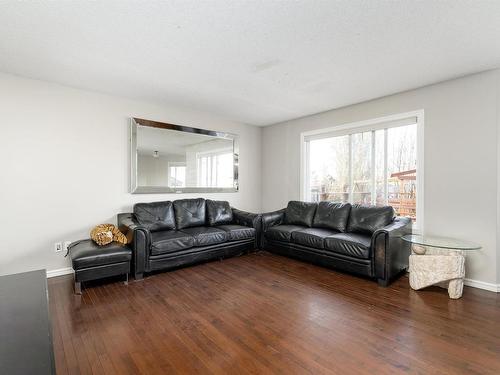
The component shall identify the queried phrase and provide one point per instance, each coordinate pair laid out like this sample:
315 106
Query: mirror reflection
180 160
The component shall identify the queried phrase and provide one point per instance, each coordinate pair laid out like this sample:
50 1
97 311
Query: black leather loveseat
365 240
166 235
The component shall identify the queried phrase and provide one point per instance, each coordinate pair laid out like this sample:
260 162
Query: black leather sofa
166 235
365 240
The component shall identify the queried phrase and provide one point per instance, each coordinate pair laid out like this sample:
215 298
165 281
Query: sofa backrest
342 217
367 219
300 213
332 215
155 216
190 213
219 212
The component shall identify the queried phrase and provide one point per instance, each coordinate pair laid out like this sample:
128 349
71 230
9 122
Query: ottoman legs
78 287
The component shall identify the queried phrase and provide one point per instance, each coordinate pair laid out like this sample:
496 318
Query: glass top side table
438 261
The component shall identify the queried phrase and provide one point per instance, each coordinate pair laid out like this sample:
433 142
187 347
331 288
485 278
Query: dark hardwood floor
262 313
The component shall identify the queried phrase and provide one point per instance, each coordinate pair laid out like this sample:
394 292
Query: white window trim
365 125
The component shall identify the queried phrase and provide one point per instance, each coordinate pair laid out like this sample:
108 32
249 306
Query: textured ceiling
258 62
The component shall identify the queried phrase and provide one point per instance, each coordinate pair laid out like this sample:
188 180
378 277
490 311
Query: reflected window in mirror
177 174
215 169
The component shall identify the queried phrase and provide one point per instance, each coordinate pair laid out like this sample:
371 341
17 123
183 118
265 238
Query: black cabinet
25 329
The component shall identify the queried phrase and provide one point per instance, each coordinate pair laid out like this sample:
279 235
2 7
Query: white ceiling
258 62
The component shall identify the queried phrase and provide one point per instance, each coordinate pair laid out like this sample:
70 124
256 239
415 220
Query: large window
372 164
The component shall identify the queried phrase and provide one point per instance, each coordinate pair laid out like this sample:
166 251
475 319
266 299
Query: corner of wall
498 178
262 158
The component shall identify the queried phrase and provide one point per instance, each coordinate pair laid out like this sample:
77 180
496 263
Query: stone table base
438 267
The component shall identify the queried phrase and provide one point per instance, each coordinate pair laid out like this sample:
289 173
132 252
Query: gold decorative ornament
104 234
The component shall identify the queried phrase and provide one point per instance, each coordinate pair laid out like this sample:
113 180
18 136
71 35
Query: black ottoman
91 262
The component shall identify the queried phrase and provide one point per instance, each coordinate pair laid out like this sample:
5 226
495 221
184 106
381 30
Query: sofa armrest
391 253
245 218
248 219
139 239
271 219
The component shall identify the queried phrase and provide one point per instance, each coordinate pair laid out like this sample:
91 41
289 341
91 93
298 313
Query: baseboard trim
59 272
482 285
469 282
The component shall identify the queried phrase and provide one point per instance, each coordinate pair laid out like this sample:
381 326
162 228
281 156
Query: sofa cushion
367 219
204 236
312 237
169 241
155 216
282 232
300 213
189 213
237 232
352 244
219 212
332 215
86 253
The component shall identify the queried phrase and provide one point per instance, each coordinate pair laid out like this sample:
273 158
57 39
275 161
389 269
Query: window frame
385 122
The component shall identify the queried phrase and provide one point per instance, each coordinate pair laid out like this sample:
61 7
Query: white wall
64 166
461 159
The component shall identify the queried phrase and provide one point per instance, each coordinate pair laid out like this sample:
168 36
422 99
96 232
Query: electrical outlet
65 245
58 247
